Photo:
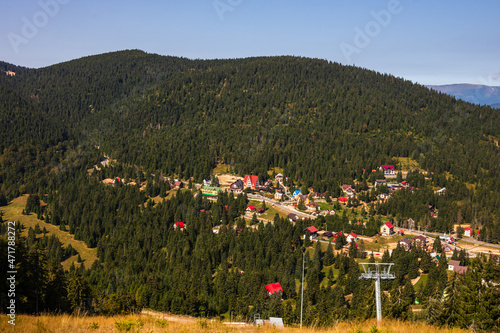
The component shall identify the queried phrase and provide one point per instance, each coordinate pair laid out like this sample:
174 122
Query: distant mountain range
473 93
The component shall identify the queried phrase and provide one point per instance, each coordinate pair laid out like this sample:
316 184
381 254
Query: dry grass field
13 212
154 322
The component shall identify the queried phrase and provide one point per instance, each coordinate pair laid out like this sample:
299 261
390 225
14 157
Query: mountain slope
473 93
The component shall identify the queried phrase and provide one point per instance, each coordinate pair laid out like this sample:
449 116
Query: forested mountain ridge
320 121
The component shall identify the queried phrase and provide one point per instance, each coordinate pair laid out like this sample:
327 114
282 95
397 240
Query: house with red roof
251 208
388 169
274 288
343 200
179 225
313 232
468 232
352 237
387 229
251 181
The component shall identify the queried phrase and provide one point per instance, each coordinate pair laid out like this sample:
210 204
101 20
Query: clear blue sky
430 42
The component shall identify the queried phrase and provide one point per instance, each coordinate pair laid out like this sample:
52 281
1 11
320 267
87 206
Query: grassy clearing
421 282
221 169
13 212
380 244
148 323
275 170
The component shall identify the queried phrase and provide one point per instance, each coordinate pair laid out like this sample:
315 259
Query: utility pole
302 297
377 271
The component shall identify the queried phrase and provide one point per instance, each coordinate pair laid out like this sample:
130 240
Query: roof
312 229
297 192
179 224
420 238
251 207
389 225
467 229
352 234
274 288
460 269
343 199
387 166
454 262
253 180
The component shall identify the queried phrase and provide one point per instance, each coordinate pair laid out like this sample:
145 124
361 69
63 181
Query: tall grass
147 323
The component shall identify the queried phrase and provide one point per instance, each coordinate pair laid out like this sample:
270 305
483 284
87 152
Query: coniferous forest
322 123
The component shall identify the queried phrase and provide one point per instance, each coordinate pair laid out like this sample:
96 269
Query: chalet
274 288
380 182
293 217
447 249
387 229
343 200
296 194
419 241
251 181
179 225
352 237
278 195
389 170
313 232
404 184
261 210
178 184
236 187
251 208
405 243
207 182
468 232
210 191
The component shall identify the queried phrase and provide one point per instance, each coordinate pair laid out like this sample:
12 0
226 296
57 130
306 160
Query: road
287 209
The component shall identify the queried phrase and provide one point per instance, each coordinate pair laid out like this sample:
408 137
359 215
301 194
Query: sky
427 42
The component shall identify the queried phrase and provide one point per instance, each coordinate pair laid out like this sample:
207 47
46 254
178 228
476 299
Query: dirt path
169 316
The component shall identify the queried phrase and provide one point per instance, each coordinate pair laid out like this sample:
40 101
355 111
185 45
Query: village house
236 187
468 232
419 241
293 217
389 170
178 184
210 191
380 182
383 196
387 229
279 178
352 237
404 184
406 243
312 206
454 265
179 225
207 182
278 195
268 183
251 209
304 199
251 181
313 232
274 288
296 194
343 200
